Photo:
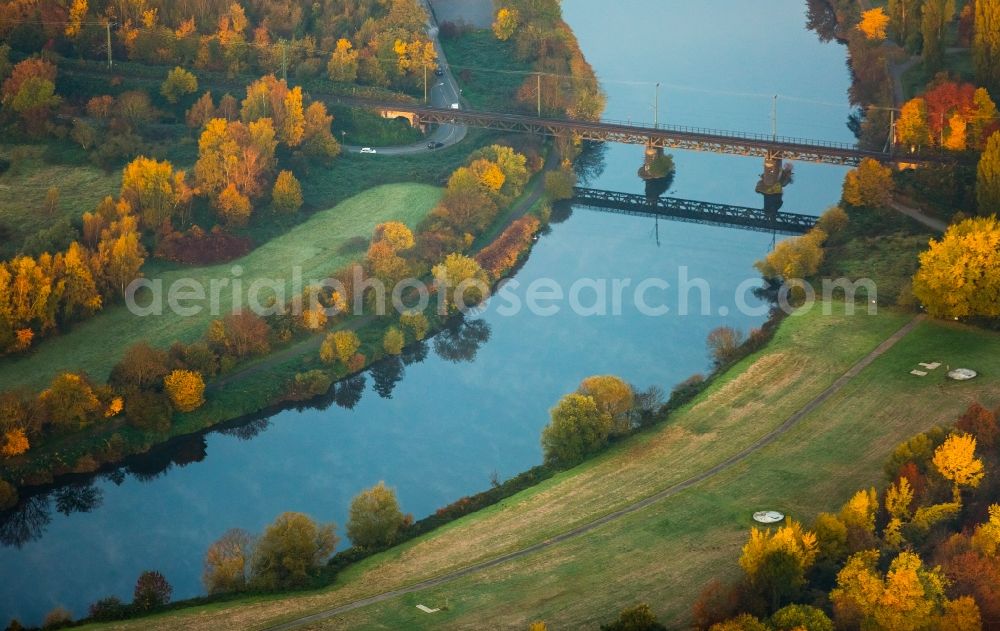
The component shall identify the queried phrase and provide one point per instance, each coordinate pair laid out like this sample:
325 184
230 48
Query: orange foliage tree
186 389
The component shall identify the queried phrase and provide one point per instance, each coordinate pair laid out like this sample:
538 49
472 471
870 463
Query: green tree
374 519
290 550
178 84
986 44
416 323
801 617
988 177
637 618
578 428
937 15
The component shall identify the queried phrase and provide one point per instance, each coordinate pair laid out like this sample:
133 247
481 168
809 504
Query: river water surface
452 422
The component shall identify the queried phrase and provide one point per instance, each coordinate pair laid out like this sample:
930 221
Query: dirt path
579 531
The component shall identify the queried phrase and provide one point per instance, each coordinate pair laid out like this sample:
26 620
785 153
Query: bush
577 429
110 608
502 255
58 617
196 247
148 411
308 385
290 550
723 344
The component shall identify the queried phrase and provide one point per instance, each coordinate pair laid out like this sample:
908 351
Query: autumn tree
246 334
462 282
956 461
415 323
70 401
577 429
202 111
636 618
178 84
340 346
912 129
271 98
30 91
142 367
343 64
869 185
959 275
287 193
154 190
393 341
723 343
801 617
236 154
14 442
981 424
319 142
227 562
874 24
776 563
988 179
559 184
374 519
906 597
186 389
396 234
151 591
986 44
234 207
290 550
613 397
506 22
905 16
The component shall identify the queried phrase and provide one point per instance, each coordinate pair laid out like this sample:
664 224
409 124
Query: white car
456 106
368 150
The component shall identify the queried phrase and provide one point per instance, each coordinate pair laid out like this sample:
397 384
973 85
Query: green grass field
318 246
472 56
665 553
34 170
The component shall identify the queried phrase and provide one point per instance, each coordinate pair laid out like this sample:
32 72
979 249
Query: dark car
435 145
439 72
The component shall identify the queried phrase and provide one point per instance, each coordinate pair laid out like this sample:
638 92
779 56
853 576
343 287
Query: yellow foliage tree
796 258
794 549
393 341
186 389
287 193
488 174
234 206
15 443
874 23
613 397
179 83
956 460
904 599
343 64
959 275
77 11
869 185
505 24
461 280
912 129
416 323
340 346
987 536
396 234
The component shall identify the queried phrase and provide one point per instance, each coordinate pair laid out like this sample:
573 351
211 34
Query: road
444 91
732 461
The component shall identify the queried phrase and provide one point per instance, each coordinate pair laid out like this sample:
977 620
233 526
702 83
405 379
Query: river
453 422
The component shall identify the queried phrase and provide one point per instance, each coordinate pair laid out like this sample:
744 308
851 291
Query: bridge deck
667 137
694 211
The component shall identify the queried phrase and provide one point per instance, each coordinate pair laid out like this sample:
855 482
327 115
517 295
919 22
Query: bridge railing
728 133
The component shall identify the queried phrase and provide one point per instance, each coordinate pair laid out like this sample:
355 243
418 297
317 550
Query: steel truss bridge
694 212
662 136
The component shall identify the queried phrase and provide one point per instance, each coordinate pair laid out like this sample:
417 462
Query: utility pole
425 84
538 89
774 118
110 59
656 108
892 131
284 60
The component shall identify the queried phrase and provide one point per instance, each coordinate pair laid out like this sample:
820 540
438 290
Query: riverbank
836 447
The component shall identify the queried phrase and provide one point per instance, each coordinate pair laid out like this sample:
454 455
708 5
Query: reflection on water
459 341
